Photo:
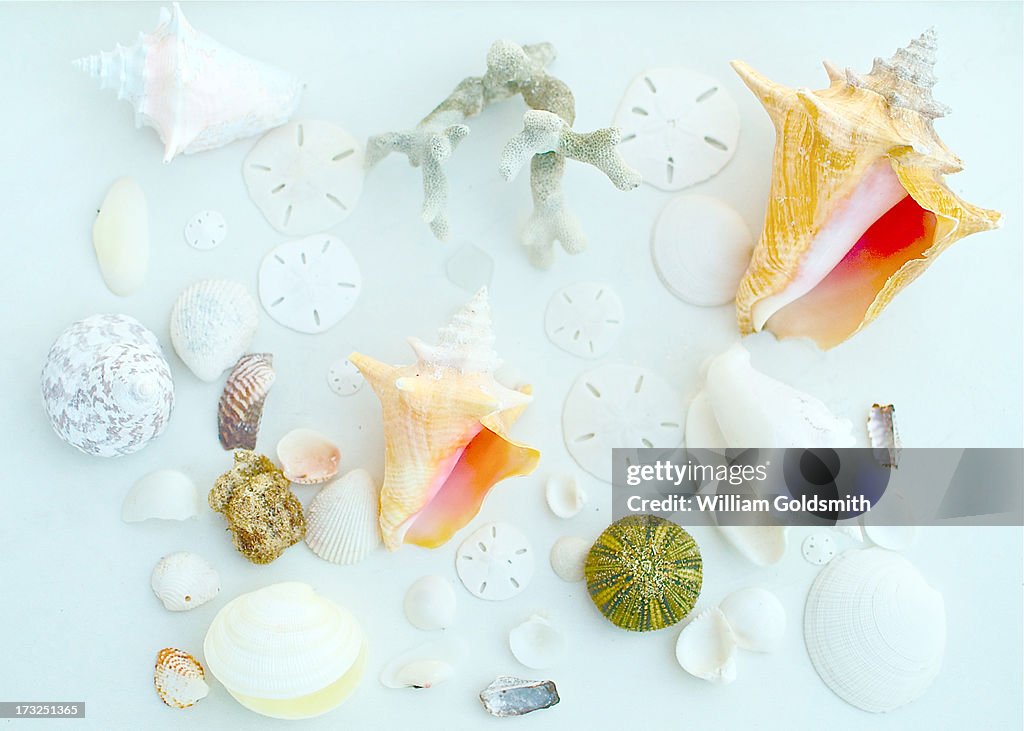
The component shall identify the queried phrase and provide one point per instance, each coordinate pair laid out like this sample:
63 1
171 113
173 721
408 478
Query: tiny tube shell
584 319
184 581
308 457
818 548
206 230
536 643
344 378
756 617
424 666
179 678
706 647
120 236
164 494
564 495
568 557
495 562
430 603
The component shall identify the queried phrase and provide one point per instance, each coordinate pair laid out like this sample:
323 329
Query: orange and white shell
179 678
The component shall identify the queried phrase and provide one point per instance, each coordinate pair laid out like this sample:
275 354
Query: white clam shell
619 406
495 562
164 494
756 617
341 520
120 236
308 285
536 643
430 603
206 230
701 248
568 558
423 666
706 647
678 127
307 456
184 581
305 177
564 495
179 678
875 630
212 324
584 319
762 544
818 548
344 378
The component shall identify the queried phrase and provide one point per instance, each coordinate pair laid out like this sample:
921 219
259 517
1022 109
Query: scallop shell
885 441
342 519
858 206
874 629
430 603
644 573
495 562
568 556
536 643
564 496
179 678
106 386
212 323
706 647
756 618
305 177
184 581
285 651
164 494
206 230
762 544
424 666
120 236
241 403
196 93
307 457
584 319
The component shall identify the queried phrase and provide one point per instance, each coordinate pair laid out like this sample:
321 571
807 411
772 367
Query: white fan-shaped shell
430 603
179 678
307 456
756 617
341 520
184 581
536 643
706 647
584 319
212 324
283 641
165 494
762 544
206 230
875 630
120 236
564 495
568 557
423 666
495 562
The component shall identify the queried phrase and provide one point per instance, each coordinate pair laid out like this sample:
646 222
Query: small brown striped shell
241 403
179 678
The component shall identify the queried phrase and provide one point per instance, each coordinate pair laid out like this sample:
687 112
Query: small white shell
762 544
206 230
341 520
568 557
536 643
702 430
706 647
344 378
701 248
309 284
307 457
212 324
495 562
584 319
305 176
165 494
430 603
120 236
564 495
423 666
893 537
184 581
818 548
757 619
179 678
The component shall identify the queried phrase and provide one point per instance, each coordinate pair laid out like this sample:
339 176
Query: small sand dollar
584 319
344 378
206 230
818 548
495 562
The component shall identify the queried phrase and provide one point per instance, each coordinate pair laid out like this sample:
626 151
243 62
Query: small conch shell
445 427
241 403
193 91
184 581
212 323
179 678
858 207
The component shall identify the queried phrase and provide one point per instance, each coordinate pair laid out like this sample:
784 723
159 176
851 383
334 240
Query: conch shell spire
906 79
466 343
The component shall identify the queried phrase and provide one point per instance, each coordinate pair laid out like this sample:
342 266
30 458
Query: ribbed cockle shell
241 404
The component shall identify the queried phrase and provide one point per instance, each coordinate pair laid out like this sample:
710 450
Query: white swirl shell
341 521
184 581
212 324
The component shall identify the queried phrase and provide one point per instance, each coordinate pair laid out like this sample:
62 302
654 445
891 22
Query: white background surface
77 617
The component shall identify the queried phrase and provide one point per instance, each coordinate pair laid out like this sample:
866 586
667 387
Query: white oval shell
818 548
165 494
341 520
120 236
564 495
678 127
106 386
184 581
344 378
762 544
619 406
584 319
568 557
536 643
701 248
495 562
706 647
179 678
423 666
430 603
212 324
307 457
305 177
206 230
309 284
757 619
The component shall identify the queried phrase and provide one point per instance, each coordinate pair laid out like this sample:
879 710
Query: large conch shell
445 422
193 91
858 207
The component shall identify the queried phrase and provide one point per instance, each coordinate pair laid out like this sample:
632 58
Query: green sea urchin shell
644 573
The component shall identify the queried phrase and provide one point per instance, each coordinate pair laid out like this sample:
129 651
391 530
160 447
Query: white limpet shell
619 406
495 562
120 236
307 456
309 284
423 666
762 544
536 643
678 127
179 678
212 324
206 230
305 177
568 558
706 647
756 617
341 520
184 581
430 603
164 494
818 548
584 319
344 378
701 248
564 495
